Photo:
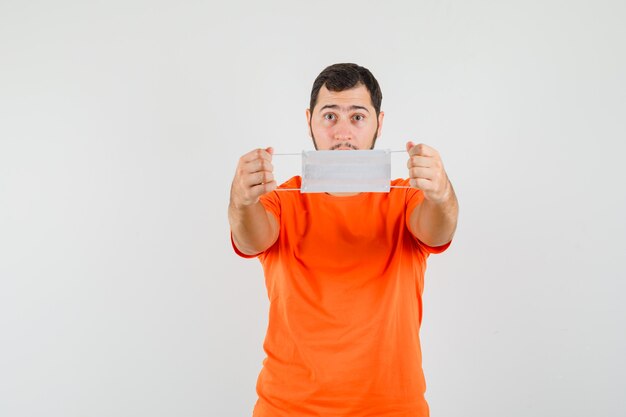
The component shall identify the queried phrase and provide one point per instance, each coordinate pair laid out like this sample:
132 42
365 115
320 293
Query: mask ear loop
299 189
398 186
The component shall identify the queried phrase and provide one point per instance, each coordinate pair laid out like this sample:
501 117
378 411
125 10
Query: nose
343 131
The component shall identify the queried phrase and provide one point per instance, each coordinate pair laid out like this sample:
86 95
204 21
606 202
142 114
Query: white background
121 123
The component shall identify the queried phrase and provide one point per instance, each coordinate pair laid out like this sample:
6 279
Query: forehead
357 96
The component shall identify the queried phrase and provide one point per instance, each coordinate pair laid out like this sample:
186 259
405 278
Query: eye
358 117
329 116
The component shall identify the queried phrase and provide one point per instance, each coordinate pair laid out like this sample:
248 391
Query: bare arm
253 228
434 220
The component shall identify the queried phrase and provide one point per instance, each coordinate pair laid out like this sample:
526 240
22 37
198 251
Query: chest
343 232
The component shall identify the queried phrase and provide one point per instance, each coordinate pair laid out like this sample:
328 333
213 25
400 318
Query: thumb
270 150
409 146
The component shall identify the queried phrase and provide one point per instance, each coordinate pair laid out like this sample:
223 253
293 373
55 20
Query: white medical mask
346 171
352 171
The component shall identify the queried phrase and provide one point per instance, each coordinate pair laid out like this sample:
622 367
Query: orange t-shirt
345 281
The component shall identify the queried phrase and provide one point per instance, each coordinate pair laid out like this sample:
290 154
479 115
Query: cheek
321 129
367 128
324 125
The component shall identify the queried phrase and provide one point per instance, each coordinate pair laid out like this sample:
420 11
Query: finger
260 189
257 154
257 178
423 150
420 161
409 145
425 173
269 186
250 156
258 165
421 184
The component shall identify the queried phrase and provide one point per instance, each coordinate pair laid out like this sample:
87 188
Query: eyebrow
335 107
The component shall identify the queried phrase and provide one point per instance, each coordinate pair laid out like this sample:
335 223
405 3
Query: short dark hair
340 77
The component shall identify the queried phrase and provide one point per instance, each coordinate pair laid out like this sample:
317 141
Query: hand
426 172
253 178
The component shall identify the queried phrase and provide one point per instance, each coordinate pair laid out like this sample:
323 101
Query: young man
344 272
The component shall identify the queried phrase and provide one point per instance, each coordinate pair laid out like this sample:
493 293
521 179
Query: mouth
345 146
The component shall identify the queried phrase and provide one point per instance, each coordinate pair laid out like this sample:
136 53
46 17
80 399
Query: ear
381 116
308 120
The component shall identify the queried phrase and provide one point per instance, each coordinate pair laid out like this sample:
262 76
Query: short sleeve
434 249
271 203
238 252
414 198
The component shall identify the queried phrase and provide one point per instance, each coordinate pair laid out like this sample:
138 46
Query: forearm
253 228
434 223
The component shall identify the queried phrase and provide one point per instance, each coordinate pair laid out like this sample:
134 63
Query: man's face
344 120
